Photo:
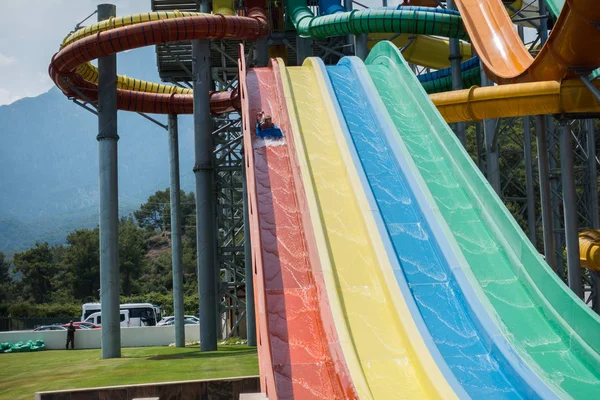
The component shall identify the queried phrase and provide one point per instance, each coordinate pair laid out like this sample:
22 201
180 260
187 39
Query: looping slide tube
135 95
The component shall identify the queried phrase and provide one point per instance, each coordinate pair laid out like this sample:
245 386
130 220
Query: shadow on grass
197 354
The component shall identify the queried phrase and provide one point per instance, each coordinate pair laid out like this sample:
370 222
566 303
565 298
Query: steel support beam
592 170
570 208
250 311
176 245
543 27
109 198
457 83
203 170
529 183
544 178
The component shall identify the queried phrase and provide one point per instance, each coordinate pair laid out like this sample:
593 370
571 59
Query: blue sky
31 32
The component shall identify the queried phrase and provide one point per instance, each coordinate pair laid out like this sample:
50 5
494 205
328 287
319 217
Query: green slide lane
553 330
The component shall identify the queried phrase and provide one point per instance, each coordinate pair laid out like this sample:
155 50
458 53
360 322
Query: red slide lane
208 26
299 354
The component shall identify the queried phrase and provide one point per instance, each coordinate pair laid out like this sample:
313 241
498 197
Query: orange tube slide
64 64
571 49
567 97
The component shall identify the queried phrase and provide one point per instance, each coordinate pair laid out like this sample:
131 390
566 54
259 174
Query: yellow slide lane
385 354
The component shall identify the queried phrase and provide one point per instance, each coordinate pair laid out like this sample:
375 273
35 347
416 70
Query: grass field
22 374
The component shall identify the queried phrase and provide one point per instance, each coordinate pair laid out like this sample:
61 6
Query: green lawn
22 374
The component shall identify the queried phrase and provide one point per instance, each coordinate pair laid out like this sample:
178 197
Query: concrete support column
261 53
176 246
544 178
204 170
456 73
361 46
303 49
491 144
109 198
250 311
570 208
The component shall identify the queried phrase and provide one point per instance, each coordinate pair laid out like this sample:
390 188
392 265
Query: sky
31 32
28 39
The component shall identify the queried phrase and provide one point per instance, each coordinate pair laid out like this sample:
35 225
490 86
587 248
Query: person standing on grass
71 336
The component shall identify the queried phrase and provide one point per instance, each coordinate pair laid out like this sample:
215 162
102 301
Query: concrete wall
209 389
90 338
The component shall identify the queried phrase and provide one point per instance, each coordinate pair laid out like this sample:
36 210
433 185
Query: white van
140 314
96 318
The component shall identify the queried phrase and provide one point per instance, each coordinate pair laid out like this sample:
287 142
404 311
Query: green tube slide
415 20
555 333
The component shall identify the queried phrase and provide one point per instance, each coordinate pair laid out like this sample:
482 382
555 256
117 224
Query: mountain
49 161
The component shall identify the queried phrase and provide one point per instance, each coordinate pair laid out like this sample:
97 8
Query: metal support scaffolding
456 71
203 170
176 245
109 198
570 208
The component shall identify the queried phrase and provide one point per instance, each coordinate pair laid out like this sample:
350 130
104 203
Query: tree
155 214
82 263
38 268
132 250
6 287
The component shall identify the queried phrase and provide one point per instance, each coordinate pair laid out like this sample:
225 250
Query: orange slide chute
571 49
64 64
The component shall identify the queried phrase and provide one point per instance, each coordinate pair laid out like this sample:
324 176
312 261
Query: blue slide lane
468 342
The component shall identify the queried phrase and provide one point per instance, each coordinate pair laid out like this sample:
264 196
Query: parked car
170 320
187 321
50 328
82 325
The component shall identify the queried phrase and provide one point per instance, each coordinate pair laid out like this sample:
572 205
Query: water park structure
376 256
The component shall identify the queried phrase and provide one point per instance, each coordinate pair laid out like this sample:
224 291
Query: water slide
329 350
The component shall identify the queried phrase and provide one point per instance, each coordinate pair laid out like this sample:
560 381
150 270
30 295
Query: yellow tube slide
514 100
427 51
392 361
589 249
224 7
